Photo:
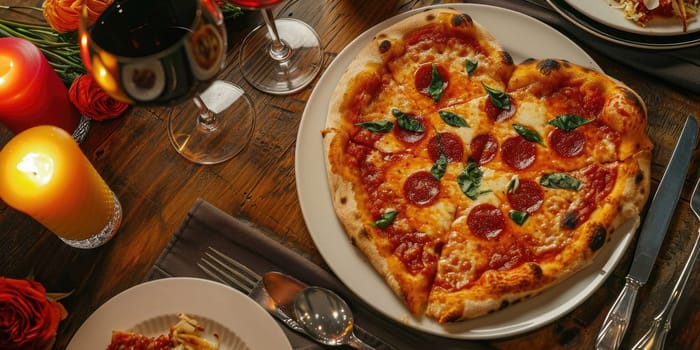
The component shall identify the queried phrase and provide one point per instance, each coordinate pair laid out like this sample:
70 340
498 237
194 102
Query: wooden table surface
157 187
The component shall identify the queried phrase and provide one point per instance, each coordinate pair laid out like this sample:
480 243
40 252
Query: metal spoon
327 318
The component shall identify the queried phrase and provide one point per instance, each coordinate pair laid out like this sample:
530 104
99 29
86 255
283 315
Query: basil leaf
513 184
453 119
440 167
499 98
385 220
518 217
377 126
560 181
471 66
568 122
529 134
407 122
469 180
437 87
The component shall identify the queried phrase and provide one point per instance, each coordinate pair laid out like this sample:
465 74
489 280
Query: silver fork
229 271
655 337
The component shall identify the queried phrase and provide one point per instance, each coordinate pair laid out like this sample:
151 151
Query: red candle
31 92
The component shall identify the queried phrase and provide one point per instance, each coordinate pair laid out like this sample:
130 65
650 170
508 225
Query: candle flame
38 167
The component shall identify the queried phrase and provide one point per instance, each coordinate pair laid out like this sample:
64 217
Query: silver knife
650 238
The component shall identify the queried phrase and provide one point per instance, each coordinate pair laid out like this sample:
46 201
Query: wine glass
282 56
162 52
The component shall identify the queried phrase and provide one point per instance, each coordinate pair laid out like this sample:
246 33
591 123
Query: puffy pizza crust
368 90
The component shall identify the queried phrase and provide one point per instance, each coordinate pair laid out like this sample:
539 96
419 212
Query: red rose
92 102
28 320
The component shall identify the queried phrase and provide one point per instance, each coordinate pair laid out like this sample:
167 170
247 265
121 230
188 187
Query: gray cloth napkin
678 67
207 225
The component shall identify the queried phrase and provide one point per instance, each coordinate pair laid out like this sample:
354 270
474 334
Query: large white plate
604 11
619 32
152 306
531 39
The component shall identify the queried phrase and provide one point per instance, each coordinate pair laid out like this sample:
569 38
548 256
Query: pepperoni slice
484 148
486 221
518 152
451 145
527 197
424 77
421 188
496 114
567 144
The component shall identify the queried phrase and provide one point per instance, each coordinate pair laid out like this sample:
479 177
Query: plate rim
306 141
619 22
602 31
92 332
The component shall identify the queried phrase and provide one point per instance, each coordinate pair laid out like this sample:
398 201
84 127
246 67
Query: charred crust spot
506 57
364 234
569 221
343 200
452 318
639 177
547 66
634 99
597 239
504 305
536 270
458 20
384 46
430 18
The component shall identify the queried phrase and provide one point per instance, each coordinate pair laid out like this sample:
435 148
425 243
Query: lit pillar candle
31 92
44 174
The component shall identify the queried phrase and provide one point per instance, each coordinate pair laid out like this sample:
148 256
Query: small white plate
604 11
531 39
150 308
618 31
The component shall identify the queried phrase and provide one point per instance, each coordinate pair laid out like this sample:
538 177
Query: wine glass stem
278 49
206 118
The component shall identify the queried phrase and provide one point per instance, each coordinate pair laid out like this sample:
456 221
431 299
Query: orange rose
64 15
29 320
92 102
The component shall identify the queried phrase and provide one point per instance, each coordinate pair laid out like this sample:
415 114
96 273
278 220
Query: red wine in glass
282 56
161 52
